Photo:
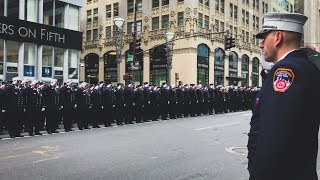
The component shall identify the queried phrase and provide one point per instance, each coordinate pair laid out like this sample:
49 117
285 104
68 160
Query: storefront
41 40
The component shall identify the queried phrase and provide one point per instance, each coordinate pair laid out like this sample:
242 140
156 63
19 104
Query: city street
205 147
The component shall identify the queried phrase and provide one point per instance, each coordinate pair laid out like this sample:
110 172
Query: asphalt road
205 147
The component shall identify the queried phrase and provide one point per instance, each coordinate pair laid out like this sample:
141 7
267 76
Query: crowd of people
34 106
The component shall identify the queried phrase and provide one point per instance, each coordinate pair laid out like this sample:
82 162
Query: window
231 10
165 2
217 5
254 21
165 21
48 12
247 17
200 1
59 14
155 3
216 25
200 20
180 1
235 14
155 23
235 31
73 57
31 11
12 51
206 2
222 6
30 54
95 34
95 15
13 9
108 31
88 35
130 6
116 9
89 13
206 22
108 11
1 56
257 4
47 55
221 26
74 23
257 22
180 19
243 16
58 57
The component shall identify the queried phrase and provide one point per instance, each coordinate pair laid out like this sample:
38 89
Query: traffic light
229 42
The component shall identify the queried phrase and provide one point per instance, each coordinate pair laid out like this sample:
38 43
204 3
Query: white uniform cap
15 79
34 82
275 21
54 80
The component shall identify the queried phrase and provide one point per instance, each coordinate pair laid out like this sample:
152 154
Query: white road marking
221 125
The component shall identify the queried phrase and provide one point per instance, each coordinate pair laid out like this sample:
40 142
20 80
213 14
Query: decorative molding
195 11
188 11
172 14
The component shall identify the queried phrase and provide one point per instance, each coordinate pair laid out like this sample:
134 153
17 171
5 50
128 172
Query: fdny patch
282 79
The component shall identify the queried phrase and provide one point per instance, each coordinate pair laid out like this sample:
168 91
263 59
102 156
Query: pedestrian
283 138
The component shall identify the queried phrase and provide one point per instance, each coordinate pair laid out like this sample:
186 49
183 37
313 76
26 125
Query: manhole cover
237 150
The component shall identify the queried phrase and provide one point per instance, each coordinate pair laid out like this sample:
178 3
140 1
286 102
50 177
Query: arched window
245 70
91 68
255 72
233 68
219 66
203 64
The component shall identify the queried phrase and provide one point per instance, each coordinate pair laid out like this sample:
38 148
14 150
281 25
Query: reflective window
219 66
74 18
165 21
73 57
13 9
12 51
95 34
155 3
1 7
1 56
155 23
30 54
31 10
180 19
48 12
116 9
47 55
58 57
203 64
245 70
59 14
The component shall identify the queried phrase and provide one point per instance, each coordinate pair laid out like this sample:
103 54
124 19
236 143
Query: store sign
58 73
12 69
28 71
47 72
73 73
24 31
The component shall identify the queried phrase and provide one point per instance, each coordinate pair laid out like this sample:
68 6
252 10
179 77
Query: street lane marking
221 125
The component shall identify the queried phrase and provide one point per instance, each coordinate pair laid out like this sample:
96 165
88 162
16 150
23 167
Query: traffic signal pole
134 34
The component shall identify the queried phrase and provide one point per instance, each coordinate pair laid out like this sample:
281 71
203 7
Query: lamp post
118 37
169 50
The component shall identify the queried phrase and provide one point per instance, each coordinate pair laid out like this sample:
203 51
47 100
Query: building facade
198 54
40 39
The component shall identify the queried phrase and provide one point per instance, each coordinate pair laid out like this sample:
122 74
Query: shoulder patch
282 79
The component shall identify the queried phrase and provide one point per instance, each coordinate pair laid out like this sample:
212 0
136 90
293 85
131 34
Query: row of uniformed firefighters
32 106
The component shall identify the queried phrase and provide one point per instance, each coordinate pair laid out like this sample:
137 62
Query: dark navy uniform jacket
283 139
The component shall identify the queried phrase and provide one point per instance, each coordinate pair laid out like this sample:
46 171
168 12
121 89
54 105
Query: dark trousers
33 120
14 122
67 118
52 120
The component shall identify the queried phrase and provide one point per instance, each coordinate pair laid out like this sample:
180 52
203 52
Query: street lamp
169 50
118 37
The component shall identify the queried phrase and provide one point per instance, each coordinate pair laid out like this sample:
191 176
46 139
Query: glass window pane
58 57
1 7
1 56
13 9
180 19
165 21
12 51
155 3
89 13
59 14
48 12
88 35
155 23
95 34
31 10
73 58
47 55
108 11
74 18
30 54
95 14
116 9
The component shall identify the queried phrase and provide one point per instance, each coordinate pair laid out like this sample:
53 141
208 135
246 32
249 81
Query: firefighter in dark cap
283 138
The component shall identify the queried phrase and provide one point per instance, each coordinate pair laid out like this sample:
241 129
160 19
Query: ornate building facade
198 55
